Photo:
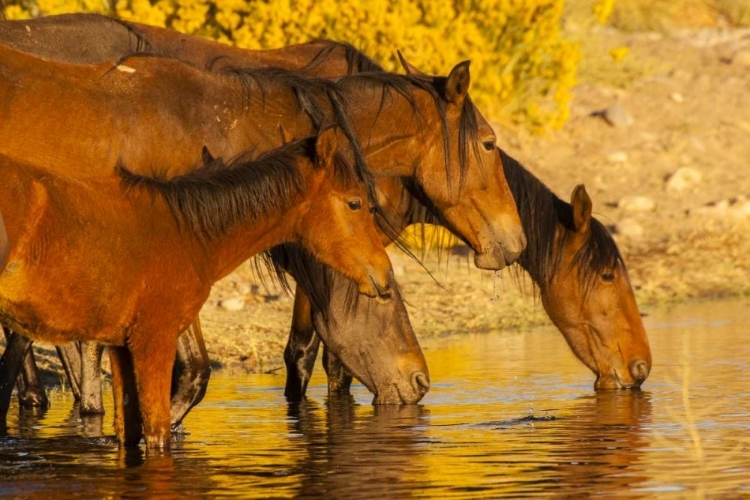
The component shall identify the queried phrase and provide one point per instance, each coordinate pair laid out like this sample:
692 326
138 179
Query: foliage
522 67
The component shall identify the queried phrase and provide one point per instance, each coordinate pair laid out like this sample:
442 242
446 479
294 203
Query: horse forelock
542 213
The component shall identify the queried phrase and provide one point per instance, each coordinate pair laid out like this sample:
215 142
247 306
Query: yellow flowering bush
522 67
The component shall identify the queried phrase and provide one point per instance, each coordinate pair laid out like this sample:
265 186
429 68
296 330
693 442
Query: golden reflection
508 415
343 448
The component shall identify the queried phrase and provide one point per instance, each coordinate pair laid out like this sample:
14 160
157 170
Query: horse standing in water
456 130
332 59
165 242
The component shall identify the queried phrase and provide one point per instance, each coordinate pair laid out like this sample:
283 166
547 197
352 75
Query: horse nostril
420 382
384 292
639 370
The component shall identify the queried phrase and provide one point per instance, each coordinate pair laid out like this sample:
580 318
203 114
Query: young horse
171 239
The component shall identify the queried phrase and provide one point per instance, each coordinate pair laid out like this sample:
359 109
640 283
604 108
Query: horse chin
392 394
493 260
614 381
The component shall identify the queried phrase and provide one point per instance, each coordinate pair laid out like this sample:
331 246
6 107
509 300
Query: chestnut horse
158 248
324 59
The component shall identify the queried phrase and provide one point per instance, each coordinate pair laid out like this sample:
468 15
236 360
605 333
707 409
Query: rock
631 204
617 116
617 157
629 228
683 179
741 58
233 304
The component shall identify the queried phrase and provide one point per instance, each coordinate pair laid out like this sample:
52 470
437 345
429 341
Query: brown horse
399 87
164 242
333 59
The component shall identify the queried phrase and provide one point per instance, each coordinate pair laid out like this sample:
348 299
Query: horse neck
226 252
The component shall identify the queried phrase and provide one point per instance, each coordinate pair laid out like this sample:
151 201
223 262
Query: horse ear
458 82
410 70
325 147
206 156
286 137
581 209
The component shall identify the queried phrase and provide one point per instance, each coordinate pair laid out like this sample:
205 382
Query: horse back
73 38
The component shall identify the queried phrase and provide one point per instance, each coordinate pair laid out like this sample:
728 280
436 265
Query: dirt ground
674 186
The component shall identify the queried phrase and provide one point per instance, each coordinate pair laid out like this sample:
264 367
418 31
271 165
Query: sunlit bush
522 71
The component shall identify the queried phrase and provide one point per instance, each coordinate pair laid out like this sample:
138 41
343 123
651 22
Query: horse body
149 255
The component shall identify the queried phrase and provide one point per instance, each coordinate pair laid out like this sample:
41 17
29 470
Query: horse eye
355 204
608 277
489 145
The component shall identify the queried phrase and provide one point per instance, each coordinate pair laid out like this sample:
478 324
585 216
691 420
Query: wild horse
331 59
456 120
153 246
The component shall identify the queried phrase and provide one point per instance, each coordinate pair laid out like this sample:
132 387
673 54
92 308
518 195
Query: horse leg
301 349
128 425
31 392
190 374
153 360
339 380
91 378
10 364
70 358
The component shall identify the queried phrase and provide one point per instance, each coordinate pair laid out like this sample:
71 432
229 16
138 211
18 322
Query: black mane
541 212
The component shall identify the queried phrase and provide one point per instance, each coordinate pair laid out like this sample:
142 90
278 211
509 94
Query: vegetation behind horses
523 67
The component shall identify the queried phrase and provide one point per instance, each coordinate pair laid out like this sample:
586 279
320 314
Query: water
508 415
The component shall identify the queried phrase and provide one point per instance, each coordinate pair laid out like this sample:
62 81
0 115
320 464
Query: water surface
509 415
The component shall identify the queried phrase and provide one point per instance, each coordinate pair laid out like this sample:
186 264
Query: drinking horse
332 59
153 246
578 272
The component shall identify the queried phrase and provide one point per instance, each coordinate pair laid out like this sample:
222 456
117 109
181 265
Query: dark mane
356 61
324 102
2 11
214 198
541 212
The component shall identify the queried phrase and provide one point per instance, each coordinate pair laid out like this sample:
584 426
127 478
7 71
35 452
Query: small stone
630 204
617 157
677 97
682 179
742 58
233 304
617 116
629 228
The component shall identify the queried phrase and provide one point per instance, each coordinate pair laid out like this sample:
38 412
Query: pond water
509 415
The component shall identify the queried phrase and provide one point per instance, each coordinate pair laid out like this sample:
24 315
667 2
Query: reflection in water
342 449
509 415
